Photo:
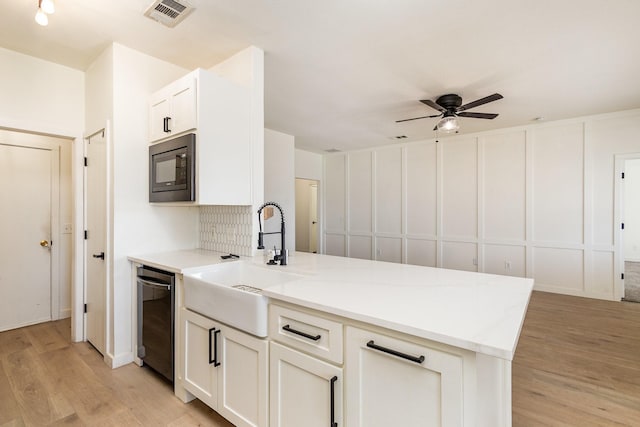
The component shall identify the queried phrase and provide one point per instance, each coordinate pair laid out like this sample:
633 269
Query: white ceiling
338 73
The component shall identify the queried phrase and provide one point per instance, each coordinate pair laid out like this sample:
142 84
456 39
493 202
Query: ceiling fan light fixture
448 124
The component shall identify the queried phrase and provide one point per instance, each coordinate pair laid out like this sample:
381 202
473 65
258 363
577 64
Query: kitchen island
377 342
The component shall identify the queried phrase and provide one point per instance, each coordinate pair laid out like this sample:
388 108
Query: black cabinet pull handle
100 255
302 334
165 124
211 359
333 402
415 359
215 348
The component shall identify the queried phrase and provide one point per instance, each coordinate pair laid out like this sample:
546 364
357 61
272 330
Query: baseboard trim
572 292
22 325
64 313
119 360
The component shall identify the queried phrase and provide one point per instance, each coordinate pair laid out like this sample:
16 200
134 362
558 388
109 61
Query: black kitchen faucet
283 256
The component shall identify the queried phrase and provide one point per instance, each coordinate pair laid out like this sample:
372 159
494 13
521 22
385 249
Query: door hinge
622 175
622 276
85 161
85 308
86 234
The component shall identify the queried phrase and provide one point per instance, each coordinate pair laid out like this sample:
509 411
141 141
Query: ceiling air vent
168 12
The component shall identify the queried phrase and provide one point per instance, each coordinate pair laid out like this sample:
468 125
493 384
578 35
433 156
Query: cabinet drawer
312 334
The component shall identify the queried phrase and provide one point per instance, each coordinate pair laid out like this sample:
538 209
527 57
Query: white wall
534 201
42 97
279 185
632 210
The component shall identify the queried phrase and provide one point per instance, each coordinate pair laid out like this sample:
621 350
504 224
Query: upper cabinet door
183 98
159 110
173 109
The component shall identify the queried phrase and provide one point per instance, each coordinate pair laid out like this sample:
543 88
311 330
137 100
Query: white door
95 243
313 218
304 391
25 227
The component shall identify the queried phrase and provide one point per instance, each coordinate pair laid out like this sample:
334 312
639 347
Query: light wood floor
577 364
47 381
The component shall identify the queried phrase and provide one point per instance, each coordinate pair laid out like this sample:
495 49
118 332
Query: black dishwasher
156 303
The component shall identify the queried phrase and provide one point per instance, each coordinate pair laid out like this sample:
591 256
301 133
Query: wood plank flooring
45 380
577 364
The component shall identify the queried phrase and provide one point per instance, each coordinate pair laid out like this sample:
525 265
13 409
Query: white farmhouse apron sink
231 293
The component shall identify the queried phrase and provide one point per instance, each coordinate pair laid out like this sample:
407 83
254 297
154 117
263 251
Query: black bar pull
302 334
165 124
415 359
333 402
211 359
215 348
100 255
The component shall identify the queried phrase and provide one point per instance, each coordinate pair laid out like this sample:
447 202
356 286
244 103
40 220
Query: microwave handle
165 125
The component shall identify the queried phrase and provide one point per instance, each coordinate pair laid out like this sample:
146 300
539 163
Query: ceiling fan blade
477 115
433 105
416 118
481 101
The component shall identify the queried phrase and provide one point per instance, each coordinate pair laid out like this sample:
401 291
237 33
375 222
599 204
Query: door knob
44 243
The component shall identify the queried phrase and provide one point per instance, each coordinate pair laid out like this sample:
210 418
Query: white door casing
95 243
28 267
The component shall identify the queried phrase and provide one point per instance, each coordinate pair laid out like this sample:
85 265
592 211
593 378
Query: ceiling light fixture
44 7
448 123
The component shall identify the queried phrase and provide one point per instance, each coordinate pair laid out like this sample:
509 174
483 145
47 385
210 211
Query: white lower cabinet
304 390
392 382
226 369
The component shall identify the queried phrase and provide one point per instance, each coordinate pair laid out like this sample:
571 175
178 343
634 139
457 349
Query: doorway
34 252
307 223
631 237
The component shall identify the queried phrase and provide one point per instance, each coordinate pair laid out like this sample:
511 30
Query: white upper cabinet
173 109
218 111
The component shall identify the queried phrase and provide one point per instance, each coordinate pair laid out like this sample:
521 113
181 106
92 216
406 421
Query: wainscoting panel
389 249
335 244
360 247
460 256
422 252
389 191
459 188
558 184
559 268
335 192
421 190
504 186
360 191
508 260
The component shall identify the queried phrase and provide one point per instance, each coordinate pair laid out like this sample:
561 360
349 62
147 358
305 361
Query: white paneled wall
536 201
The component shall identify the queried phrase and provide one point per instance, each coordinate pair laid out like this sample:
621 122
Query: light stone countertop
480 312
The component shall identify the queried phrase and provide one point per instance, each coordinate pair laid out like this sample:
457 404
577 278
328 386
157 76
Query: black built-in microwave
172 170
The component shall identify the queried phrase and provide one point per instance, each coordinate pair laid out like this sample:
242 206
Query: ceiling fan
450 107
